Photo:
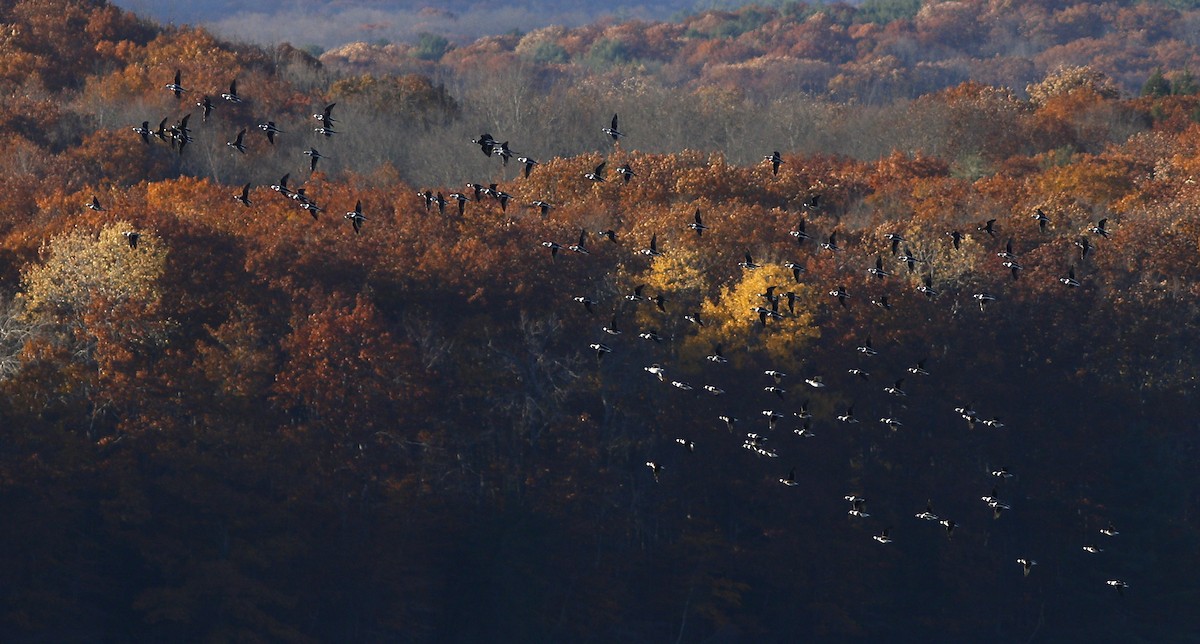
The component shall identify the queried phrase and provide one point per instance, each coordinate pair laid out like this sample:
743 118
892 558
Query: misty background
333 23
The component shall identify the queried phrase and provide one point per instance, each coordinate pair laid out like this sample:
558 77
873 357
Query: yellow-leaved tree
731 322
98 295
120 266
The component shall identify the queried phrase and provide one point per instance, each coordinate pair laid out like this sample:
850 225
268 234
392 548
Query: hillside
331 24
380 377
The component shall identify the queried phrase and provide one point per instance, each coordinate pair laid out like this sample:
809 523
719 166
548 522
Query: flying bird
528 163
652 250
243 197
232 94
270 130
356 216
1027 565
626 172
775 161
1042 219
206 105
144 131
175 87
612 130
237 143
485 142
597 174
314 155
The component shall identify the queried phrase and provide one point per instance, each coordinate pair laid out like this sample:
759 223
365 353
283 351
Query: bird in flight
775 162
612 130
175 87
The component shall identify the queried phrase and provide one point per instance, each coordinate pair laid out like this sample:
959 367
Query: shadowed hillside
486 347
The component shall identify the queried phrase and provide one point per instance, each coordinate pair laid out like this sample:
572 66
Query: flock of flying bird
769 309
178 136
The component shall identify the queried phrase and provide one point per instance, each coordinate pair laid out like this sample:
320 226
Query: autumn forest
862 322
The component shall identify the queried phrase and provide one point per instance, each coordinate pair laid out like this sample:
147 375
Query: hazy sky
333 22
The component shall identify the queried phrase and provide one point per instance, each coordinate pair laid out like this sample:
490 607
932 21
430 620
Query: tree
431 46
1156 85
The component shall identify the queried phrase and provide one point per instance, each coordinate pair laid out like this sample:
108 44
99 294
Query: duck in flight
1027 565
831 245
895 239
698 225
356 216
800 233
597 174
626 172
1070 280
895 389
237 143
94 204
144 131
600 349
282 187
867 349
877 270
796 270
485 142
841 294
908 259
928 514
775 160
528 163
790 481
243 197
1007 253
612 130
579 247
652 250
716 356
232 95
270 130
175 87
504 152
927 288
857 506
314 155
983 299
325 117
1085 246
1042 219
206 105
542 206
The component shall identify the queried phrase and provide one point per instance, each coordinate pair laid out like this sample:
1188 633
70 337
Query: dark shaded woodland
272 421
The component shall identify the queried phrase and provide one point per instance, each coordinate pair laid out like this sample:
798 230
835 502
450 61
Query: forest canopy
492 364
